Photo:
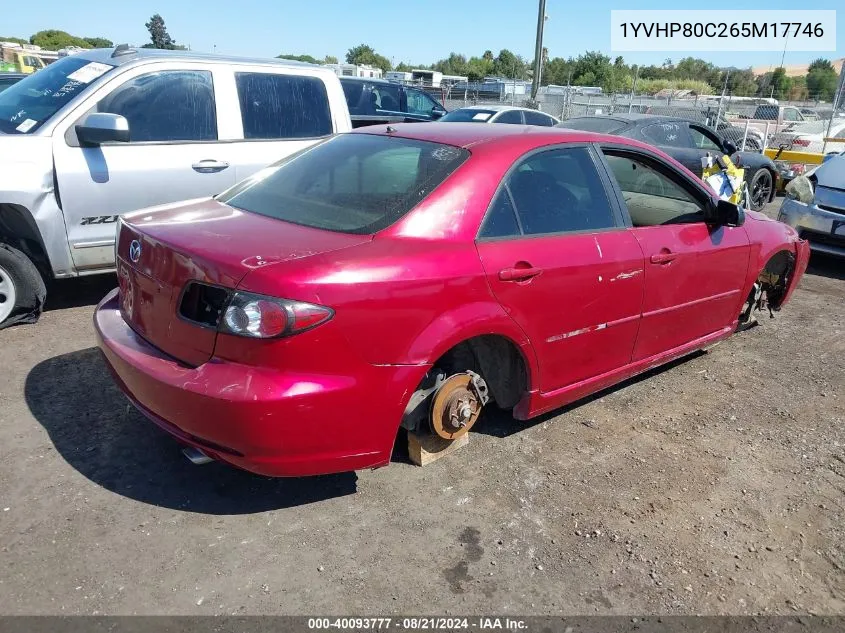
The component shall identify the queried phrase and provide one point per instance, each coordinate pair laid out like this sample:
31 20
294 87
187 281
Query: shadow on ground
97 431
825 265
498 423
78 292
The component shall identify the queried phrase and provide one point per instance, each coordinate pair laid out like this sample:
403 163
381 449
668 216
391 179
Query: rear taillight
801 141
258 316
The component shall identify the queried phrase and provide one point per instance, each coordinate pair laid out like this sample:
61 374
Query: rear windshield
28 104
352 183
593 124
467 115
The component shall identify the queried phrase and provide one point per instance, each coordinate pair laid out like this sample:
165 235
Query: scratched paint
628 275
583 330
598 247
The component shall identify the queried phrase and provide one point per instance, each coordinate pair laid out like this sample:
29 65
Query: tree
53 40
781 83
508 64
741 82
402 67
365 54
488 55
299 58
455 64
822 80
158 33
330 59
16 40
99 42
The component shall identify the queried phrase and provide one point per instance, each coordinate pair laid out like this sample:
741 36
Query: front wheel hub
457 405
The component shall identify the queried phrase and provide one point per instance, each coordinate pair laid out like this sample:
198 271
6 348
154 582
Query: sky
418 32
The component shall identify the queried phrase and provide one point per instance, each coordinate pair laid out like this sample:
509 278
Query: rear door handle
519 274
663 258
209 166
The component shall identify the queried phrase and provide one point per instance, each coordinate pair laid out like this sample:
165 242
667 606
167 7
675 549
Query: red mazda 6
411 275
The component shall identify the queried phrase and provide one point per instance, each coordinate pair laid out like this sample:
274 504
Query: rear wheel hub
457 405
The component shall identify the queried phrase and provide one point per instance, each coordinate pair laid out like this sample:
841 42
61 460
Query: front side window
29 103
538 118
702 140
667 134
277 106
171 105
652 197
791 114
419 102
352 183
556 191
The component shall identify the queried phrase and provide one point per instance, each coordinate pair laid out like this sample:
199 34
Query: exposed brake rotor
457 404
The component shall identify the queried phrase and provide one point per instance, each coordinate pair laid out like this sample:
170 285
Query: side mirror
102 127
437 112
728 214
730 148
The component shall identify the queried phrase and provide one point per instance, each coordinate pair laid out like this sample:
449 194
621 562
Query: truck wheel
22 290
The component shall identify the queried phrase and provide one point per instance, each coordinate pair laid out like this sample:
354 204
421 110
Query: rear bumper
824 230
264 420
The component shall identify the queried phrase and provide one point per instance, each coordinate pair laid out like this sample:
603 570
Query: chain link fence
731 117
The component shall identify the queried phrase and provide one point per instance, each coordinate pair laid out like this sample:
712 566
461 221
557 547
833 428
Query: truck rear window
352 183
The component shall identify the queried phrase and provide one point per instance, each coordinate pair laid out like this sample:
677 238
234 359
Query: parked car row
82 139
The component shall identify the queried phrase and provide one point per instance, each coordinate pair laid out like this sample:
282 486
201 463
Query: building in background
355 70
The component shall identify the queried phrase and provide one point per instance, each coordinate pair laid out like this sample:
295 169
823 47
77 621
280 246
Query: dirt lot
715 485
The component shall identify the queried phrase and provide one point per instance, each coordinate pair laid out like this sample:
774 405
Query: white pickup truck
770 119
107 131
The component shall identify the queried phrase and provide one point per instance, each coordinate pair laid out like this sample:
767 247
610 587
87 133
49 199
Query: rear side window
558 191
275 106
352 183
171 105
538 118
667 134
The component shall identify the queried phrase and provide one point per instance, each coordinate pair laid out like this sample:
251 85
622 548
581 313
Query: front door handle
519 274
209 166
663 257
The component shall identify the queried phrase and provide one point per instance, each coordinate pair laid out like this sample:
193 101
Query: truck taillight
801 141
258 316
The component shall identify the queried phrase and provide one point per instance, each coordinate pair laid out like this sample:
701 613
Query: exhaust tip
196 456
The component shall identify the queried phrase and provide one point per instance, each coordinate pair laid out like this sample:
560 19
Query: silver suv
107 131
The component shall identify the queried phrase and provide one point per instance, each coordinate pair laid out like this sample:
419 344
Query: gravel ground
711 486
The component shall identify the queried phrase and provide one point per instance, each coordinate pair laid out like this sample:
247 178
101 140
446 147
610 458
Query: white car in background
809 137
500 114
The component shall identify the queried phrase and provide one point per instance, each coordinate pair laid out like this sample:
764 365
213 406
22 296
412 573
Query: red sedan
410 275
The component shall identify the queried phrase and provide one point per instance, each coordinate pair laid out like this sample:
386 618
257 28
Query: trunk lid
160 250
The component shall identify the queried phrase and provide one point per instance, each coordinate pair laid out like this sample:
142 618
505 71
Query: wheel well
775 277
497 359
18 229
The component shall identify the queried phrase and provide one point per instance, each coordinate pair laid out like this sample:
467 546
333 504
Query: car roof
371 80
123 54
493 108
468 135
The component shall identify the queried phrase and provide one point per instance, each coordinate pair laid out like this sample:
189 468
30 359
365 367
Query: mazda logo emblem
135 251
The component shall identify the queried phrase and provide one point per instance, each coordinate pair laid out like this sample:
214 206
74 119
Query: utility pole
633 88
721 99
538 50
838 99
